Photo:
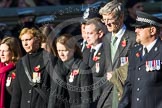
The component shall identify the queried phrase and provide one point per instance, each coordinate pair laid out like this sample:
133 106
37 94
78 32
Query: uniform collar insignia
156 49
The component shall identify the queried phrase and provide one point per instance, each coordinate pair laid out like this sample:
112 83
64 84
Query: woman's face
29 43
5 53
64 53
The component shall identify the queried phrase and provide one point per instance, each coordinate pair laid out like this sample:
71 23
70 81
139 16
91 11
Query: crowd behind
106 60
33 3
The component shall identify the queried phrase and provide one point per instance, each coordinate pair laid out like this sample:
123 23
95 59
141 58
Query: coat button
139 68
138 79
28 101
138 89
29 91
137 99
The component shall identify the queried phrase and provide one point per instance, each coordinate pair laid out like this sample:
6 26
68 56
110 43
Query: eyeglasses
112 20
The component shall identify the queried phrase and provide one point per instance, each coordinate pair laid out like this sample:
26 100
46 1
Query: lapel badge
156 49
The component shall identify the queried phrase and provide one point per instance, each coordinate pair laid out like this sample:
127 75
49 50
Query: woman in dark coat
78 80
32 84
10 53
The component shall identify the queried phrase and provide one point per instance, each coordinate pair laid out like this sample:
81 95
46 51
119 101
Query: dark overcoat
80 90
59 93
24 94
122 51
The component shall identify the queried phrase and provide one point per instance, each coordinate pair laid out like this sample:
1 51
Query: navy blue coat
143 89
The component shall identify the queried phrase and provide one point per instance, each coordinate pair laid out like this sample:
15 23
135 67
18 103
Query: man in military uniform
143 85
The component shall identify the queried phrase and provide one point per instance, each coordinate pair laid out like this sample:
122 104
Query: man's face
92 34
144 35
112 23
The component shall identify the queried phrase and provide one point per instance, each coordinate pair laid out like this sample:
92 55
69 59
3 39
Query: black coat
99 72
59 94
9 88
24 94
143 89
80 90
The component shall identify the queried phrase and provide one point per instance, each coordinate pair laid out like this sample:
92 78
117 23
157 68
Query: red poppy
124 43
95 58
75 72
13 75
37 68
88 46
137 54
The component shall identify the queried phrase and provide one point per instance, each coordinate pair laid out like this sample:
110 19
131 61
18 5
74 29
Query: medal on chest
8 81
97 67
123 60
73 74
36 74
153 65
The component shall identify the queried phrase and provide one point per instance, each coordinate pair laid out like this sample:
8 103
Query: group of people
110 67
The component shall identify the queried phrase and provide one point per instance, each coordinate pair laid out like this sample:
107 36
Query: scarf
3 70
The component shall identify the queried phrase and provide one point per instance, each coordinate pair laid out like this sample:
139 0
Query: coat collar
152 54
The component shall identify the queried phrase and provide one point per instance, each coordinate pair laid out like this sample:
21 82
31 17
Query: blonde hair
114 7
33 31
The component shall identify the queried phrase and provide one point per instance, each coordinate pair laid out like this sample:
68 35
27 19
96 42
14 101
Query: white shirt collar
120 33
149 47
97 47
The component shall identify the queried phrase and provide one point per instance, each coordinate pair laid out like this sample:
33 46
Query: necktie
145 51
91 62
113 47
